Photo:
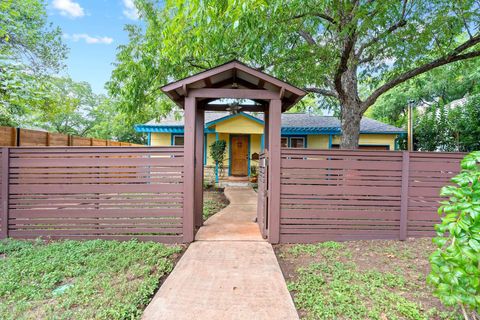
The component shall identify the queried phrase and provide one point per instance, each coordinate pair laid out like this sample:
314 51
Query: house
243 132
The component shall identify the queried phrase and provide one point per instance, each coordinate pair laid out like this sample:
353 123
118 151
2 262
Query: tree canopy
348 52
32 94
446 104
27 38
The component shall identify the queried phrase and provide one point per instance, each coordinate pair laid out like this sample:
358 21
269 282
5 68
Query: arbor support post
274 158
199 149
189 171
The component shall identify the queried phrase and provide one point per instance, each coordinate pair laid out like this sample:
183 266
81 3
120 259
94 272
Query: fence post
4 192
404 195
189 170
274 159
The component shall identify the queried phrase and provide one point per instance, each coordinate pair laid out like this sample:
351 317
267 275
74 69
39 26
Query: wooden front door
239 155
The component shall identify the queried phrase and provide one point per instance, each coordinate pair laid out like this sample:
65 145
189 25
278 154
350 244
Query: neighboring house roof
292 123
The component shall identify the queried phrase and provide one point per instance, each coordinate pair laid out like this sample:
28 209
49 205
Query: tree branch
308 37
400 23
454 56
324 92
320 15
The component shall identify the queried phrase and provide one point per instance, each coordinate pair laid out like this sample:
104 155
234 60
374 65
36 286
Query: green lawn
355 280
80 280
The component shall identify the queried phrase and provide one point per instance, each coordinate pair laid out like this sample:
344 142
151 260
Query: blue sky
92 30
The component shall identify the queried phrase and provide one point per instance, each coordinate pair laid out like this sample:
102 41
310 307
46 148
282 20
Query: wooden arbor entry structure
202 92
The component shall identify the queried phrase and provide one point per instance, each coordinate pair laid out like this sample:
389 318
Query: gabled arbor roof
235 75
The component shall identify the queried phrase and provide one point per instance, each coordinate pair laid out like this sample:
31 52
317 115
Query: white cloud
130 10
88 39
68 8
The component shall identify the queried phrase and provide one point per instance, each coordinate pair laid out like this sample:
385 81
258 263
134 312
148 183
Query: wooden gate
262 208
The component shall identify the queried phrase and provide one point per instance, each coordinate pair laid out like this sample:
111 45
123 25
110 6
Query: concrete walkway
230 272
237 221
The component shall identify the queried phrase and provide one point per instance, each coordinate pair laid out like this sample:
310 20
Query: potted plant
253 174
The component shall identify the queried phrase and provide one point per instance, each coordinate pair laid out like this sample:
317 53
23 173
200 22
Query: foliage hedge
455 272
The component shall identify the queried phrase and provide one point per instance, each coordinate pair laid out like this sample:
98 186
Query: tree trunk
351 109
351 116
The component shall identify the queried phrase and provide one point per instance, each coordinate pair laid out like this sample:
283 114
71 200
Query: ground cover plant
362 280
213 201
80 280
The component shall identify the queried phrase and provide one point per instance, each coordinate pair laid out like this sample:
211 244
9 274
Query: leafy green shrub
455 272
218 152
253 171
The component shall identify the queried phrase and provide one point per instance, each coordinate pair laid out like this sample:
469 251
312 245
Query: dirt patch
214 200
365 274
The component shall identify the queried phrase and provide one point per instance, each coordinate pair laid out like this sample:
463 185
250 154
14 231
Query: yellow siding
239 124
255 143
317 141
373 139
210 140
226 137
160 139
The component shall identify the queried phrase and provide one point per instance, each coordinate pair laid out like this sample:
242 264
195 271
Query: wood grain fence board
8 136
429 172
313 238
14 137
156 238
350 194
95 192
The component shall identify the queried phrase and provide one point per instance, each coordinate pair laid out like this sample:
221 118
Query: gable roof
292 123
234 74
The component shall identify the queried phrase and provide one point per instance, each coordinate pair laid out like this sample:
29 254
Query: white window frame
290 142
177 135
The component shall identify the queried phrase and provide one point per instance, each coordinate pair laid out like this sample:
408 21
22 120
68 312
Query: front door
239 156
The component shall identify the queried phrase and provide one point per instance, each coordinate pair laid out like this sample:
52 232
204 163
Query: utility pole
410 126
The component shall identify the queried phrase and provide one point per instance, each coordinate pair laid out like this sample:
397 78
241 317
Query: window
297 142
177 140
365 147
293 142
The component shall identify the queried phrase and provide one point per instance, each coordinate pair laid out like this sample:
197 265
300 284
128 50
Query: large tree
350 52
27 38
30 50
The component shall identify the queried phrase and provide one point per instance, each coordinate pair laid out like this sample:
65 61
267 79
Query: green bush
455 272
218 152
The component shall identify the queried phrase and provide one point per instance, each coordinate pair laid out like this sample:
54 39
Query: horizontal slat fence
428 172
95 193
17 137
351 194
